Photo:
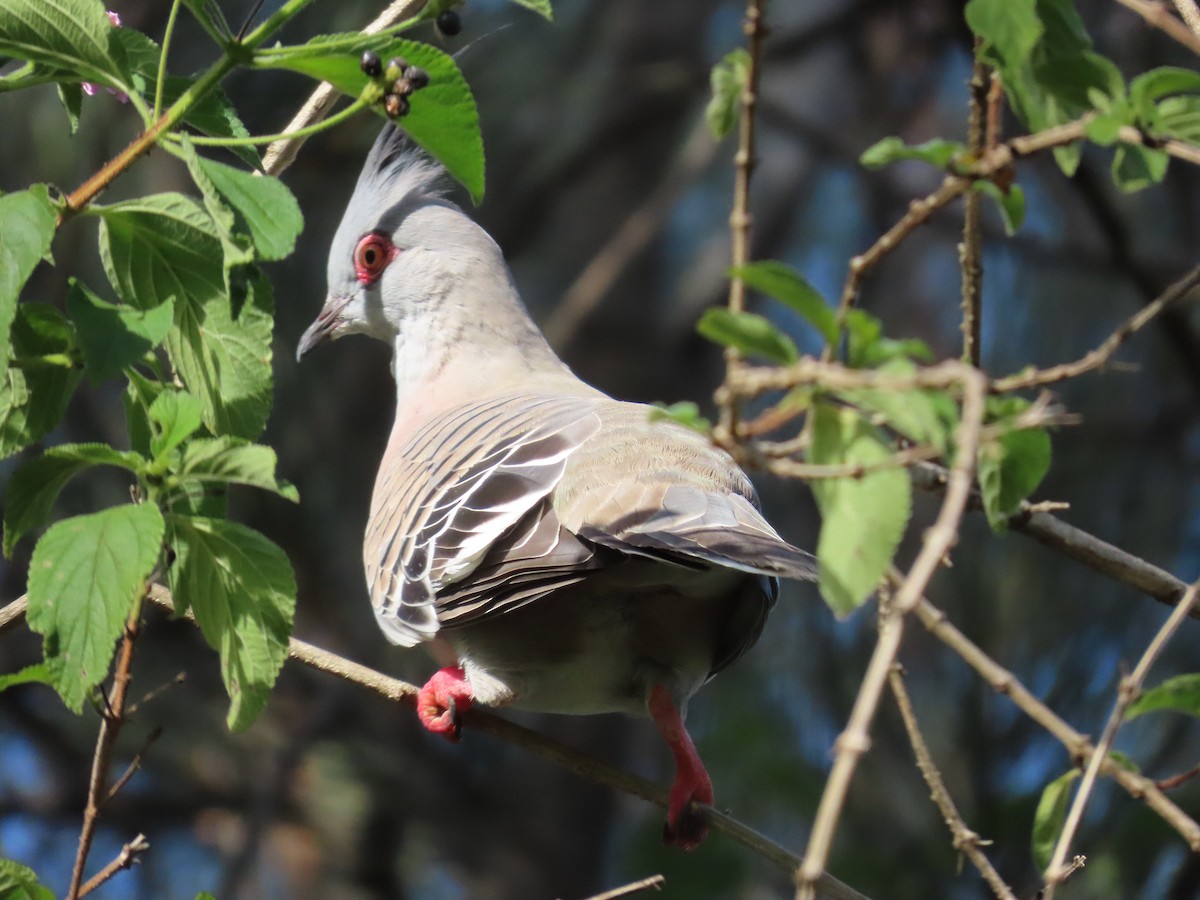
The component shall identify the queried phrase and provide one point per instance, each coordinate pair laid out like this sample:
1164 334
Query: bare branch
1157 15
1190 13
645 884
855 740
970 251
1078 746
1128 691
130 855
966 841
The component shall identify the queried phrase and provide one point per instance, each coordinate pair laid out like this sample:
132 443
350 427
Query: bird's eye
371 256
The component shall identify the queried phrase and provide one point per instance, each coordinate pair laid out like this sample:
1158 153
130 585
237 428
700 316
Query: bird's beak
323 326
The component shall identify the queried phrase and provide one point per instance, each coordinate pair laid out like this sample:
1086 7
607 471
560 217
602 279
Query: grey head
400 249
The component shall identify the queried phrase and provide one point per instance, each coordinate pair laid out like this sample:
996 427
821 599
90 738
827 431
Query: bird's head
400 249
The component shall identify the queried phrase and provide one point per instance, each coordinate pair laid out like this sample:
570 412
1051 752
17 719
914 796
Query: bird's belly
578 653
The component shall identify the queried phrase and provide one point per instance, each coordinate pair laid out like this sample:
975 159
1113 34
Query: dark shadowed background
594 129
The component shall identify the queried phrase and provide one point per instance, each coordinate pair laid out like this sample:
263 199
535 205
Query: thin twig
282 153
645 884
970 251
1097 358
14 613
1130 687
1157 15
855 740
966 841
130 855
1190 13
134 764
740 220
582 764
110 727
1078 746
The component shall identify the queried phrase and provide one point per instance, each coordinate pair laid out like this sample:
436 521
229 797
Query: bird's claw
442 702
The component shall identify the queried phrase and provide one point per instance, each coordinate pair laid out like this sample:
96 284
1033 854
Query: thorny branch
970 251
855 740
1128 691
966 841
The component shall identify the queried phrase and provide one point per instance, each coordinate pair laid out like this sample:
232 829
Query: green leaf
85 574
266 207
783 283
174 416
1009 29
1149 87
443 118
936 152
35 673
728 79
862 519
1181 694
226 460
541 7
1124 761
1010 202
1136 167
241 588
1049 818
866 347
18 882
212 115
26 230
684 412
924 417
1011 466
748 332
208 14
72 36
1179 117
71 96
35 486
113 336
167 245
137 398
33 400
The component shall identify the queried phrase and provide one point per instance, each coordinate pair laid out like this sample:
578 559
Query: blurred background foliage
611 202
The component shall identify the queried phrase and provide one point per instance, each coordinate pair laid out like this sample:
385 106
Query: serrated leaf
1181 694
72 36
26 229
862 519
728 80
867 348
33 400
226 460
1149 87
241 588
35 486
174 417
113 336
1011 466
1010 202
1049 817
683 412
443 118
18 882
750 333
783 283
35 673
85 574
541 7
936 152
1136 167
924 417
267 208
167 245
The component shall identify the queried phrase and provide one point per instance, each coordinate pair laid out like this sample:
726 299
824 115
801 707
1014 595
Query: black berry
449 23
417 78
370 63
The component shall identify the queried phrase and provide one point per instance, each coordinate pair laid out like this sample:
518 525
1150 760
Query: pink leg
692 784
443 700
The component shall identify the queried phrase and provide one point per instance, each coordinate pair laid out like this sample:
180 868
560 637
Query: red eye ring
371 256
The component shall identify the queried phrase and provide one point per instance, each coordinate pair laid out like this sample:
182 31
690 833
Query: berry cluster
400 80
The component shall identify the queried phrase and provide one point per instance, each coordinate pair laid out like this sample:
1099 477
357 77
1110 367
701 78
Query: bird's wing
461 525
658 489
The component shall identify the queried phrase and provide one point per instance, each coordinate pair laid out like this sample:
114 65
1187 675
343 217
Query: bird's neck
462 347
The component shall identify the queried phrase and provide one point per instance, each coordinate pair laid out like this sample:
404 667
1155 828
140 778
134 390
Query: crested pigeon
557 550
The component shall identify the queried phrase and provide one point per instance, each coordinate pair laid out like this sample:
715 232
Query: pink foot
443 700
684 829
